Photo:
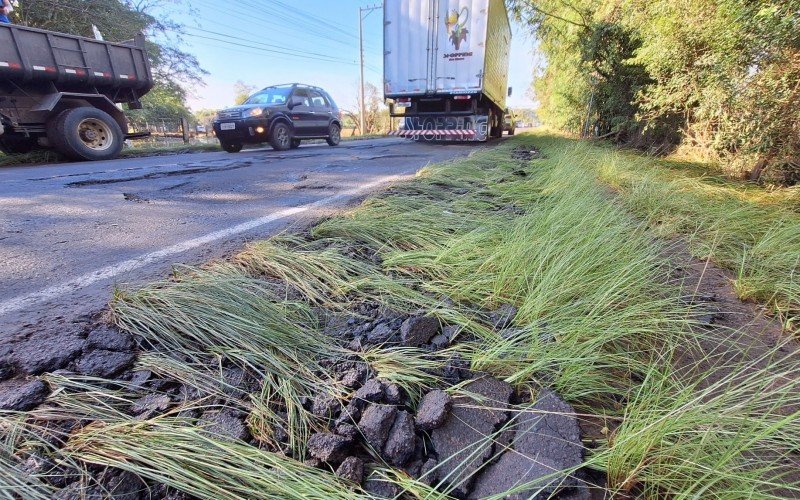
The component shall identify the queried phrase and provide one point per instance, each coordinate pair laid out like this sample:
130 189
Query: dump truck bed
32 56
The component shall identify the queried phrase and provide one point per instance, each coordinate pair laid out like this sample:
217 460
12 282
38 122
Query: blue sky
247 40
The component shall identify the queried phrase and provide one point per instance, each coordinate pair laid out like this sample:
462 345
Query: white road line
108 272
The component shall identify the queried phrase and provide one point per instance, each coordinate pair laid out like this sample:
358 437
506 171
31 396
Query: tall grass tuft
227 313
751 231
186 458
737 438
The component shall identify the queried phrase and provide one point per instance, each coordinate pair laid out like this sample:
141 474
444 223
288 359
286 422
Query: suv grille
229 115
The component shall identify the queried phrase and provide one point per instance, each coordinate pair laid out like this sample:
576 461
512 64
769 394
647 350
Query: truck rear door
408 43
460 36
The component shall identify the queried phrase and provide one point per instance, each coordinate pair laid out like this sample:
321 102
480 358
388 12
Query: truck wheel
334 135
281 137
85 134
295 144
231 147
511 132
15 145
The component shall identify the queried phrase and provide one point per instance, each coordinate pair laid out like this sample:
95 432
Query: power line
339 61
281 47
292 11
307 20
256 51
279 22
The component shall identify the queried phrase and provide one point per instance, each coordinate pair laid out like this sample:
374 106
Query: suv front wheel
281 137
334 135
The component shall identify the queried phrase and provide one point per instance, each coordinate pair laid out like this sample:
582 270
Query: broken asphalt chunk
433 410
465 441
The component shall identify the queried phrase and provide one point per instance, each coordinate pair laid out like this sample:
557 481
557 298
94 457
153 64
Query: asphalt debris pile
470 442
101 351
527 153
471 436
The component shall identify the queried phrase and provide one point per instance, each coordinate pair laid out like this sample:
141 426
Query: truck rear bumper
437 135
445 128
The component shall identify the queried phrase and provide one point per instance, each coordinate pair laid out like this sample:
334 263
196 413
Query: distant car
200 129
282 115
509 125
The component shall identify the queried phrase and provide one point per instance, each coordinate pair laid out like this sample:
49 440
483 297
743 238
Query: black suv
282 115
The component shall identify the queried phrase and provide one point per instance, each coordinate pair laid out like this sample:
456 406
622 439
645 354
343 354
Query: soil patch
738 336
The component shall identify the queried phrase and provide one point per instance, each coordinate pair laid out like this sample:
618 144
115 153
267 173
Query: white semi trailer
446 67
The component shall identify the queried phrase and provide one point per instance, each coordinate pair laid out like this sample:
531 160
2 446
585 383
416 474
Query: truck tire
85 134
15 145
512 131
231 147
334 135
281 137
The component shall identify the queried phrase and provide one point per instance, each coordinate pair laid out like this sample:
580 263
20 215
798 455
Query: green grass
730 440
752 231
170 452
225 314
601 320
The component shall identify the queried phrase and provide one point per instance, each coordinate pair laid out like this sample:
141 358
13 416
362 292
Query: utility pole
361 17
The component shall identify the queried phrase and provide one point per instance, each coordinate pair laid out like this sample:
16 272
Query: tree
720 75
242 91
205 117
376 114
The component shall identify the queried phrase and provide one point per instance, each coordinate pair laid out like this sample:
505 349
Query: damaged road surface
70 232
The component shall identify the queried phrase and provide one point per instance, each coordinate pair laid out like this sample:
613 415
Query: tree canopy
720 75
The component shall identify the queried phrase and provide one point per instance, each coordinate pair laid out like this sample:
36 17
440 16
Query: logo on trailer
456 23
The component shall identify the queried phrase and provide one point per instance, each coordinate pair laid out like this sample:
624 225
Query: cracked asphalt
71 232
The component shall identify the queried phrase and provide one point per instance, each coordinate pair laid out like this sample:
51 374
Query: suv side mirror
510 91
296 101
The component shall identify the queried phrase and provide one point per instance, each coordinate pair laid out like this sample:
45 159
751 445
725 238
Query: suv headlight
254 112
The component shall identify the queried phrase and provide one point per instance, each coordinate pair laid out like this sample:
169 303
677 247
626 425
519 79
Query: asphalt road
70 232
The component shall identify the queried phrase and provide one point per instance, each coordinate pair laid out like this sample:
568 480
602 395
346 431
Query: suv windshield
270 95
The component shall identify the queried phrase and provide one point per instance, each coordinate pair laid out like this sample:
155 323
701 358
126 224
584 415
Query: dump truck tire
85 134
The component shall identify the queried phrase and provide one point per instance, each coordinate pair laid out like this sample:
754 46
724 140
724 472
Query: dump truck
63 92
446 67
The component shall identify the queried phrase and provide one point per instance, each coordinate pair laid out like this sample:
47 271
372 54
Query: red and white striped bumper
464 135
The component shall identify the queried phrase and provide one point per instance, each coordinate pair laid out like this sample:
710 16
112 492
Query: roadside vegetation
574 236
718 77
752 231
